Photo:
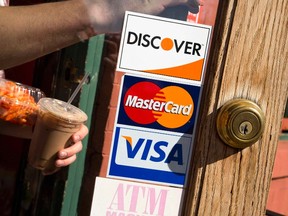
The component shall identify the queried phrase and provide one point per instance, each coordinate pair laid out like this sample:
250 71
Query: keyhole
245 128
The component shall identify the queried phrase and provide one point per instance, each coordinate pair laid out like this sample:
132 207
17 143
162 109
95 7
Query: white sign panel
123 198
163 46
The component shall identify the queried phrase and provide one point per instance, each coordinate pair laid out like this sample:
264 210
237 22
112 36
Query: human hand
68 155
2 74
106 16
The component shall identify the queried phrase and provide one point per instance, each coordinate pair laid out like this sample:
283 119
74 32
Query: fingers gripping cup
56 122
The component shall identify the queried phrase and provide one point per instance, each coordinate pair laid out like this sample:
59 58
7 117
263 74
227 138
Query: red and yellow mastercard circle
146 103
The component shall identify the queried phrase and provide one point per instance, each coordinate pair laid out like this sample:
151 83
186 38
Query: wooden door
248 59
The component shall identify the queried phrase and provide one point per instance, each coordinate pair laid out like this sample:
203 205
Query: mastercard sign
159 105
162 46
153 133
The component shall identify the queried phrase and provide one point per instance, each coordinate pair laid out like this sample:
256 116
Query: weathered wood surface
248 59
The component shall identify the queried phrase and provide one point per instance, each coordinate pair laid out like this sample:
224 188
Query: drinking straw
77 90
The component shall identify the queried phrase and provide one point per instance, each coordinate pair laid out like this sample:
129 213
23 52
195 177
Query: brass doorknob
240 123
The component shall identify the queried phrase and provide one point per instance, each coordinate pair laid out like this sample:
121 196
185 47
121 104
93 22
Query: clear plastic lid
60 110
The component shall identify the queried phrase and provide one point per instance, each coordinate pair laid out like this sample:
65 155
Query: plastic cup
53 129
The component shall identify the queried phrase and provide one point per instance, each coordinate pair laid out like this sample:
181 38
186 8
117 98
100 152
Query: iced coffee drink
56 122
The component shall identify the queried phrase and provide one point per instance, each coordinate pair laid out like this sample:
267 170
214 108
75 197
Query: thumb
2 74
179 12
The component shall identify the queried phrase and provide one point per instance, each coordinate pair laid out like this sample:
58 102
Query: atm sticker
123 198
162 46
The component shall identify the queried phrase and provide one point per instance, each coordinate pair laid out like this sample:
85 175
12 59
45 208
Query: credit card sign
123 198
152 139
158 104
150 156
163 46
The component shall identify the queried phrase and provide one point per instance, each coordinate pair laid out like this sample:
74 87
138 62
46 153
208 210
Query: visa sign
150 156
156 154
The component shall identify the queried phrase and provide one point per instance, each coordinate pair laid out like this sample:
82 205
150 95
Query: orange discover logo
167 44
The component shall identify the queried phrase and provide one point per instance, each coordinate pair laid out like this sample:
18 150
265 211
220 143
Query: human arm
29 32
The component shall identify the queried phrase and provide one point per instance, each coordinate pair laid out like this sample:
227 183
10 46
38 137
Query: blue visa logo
155 154
150 156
